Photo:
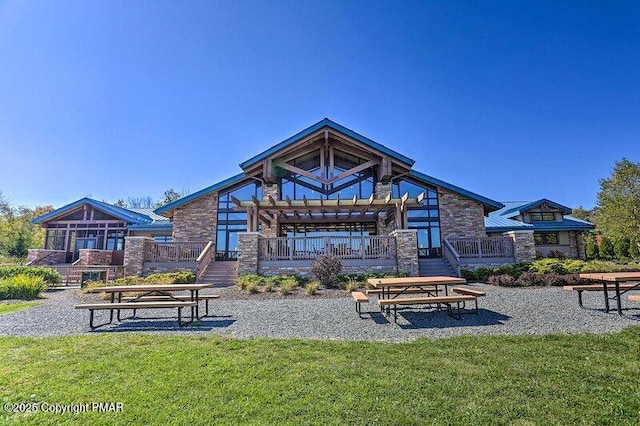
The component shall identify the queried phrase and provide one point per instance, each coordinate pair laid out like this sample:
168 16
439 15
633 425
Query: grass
572 379
7 308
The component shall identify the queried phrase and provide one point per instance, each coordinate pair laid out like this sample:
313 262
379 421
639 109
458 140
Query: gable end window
545 238
542 216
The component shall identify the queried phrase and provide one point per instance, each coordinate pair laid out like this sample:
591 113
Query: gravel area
504 311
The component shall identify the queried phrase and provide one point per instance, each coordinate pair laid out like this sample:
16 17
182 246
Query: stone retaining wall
53 257
95 257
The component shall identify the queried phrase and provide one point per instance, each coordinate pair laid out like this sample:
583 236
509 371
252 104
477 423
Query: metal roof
332 125
491 204
499 220
569 223
216 186
515 208
119 212
497 223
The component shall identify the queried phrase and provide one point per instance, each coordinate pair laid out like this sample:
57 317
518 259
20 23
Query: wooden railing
308 248
72 274
451 256
482 247
175 251
204 259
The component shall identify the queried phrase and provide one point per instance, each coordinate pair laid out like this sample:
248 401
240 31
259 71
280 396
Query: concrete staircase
435 267
220 274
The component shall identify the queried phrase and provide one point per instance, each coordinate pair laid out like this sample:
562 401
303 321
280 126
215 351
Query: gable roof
332 125
497 223
119 212
184 200
516 208
487 202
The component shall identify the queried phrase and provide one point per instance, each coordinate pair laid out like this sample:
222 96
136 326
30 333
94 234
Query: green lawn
7 308
580 379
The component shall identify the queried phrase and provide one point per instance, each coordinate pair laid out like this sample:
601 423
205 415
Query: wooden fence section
176 251
308 248
482 247
73 274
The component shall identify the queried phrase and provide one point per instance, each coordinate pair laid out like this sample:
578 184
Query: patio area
504 311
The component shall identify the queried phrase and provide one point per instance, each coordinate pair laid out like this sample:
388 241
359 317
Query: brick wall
197 220
95 257
460 216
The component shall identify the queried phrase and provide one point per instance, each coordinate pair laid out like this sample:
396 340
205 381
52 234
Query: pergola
354 210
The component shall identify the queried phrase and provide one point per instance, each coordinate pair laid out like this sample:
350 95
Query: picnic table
148 296
393 292
616 279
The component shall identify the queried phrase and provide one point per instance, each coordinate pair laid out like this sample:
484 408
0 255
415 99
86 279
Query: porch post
248 246
407 251
524 247
134 255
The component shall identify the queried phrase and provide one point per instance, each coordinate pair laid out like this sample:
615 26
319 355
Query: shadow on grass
423 318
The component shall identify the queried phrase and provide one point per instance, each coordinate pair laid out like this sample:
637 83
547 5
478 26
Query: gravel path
502 311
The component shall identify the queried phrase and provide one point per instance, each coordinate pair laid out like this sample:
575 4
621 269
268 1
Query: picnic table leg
618 299
119 301
113 295
580 298
606 296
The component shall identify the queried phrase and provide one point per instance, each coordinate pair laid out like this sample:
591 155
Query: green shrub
269 284
177 277
502 280
621 248
287 286
22 286
548 266
251 287
352 285
326 268
575 266
48 275
634 249
312 288
243 281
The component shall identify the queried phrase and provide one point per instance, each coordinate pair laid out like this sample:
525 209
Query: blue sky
512 100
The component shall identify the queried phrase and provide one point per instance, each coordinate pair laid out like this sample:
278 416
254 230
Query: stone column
95 257
134 255
248 252
407 251
47 257
524 247
272 190
382 190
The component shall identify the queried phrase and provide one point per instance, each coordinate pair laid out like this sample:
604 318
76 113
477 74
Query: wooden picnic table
147 289
615 278
406 283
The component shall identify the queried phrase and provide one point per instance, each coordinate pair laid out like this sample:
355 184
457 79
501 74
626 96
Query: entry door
227 245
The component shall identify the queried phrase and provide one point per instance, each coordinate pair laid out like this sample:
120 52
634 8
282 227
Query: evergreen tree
591 248
634 250
621 248
605 250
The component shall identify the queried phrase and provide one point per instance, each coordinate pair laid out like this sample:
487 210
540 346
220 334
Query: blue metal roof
335 126
497 223
119 212
164 225
569 223
205 191
491 204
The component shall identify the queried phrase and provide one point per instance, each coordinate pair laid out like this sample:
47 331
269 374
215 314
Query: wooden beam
387 199
304 200
236 201
287 200
353 170
304 173
371 199
255 200
355 199
271 200
405 197
420 197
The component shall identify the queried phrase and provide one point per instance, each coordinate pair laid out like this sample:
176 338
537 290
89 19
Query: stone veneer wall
274 191
577 248
134 255
95 257
524 247
460 216
248 252
407 251
55 257
197 220
381 191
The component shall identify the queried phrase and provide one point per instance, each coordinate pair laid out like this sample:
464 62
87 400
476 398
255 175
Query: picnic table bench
620 282
149 296
392 293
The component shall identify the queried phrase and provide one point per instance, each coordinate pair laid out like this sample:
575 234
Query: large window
230 222
545 238
320 229
424 218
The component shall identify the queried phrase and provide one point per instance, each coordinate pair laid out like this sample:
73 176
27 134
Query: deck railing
204 259
308 248
175 251
482 247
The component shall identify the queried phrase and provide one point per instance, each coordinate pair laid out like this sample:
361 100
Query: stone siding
197 220
95 257
53 257
274 191
407 251
382 190
134 255
460 216
248 253
524 247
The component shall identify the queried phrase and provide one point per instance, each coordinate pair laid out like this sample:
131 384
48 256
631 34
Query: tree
634 248
621 248
17 233
583 214
591 247
169 196
618 205
145 202
606 248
